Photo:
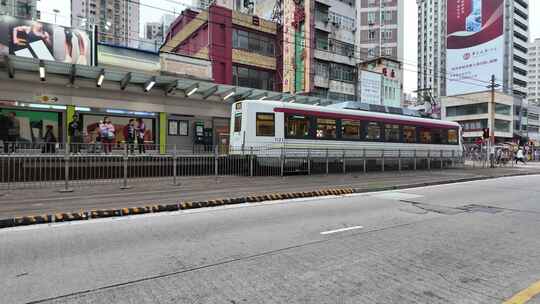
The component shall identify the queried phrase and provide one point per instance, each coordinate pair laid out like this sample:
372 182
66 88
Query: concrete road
476 242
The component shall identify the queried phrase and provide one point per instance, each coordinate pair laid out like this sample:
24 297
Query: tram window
391 133
453 137
297 126
350 129
409 134
438 136
326 128
238 122
425 136
265 124
373 131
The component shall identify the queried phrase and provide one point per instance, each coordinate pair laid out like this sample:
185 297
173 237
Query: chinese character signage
475 45
370 87
45 41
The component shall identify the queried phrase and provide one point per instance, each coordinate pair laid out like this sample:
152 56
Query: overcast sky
149 14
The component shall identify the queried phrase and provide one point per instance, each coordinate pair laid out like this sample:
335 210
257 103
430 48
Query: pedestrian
140 130
14 130
519 156
107 133
75 131
50 141
130 135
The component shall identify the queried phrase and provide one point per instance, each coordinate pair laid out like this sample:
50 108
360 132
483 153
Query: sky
152 10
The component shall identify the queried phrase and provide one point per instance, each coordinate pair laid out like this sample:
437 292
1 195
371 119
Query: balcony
321 21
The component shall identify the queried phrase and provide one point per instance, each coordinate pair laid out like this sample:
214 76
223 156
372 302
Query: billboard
474 44
370 87
36 39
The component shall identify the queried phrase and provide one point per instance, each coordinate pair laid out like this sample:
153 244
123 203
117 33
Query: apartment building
533 83
117 20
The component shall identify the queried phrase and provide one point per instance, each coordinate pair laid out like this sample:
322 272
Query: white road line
341 230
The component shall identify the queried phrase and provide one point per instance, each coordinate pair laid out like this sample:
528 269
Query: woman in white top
519 156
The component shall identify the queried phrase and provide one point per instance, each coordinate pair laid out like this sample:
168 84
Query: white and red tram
263 126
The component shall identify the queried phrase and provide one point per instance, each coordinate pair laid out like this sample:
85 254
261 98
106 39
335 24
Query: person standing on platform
75 131
141 129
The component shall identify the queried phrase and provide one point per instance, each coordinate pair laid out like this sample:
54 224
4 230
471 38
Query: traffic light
485 133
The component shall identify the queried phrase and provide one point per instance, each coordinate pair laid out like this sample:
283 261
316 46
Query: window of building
474 125
253 78
502 125
373 131
392 133
253 42
297 126
503 109
350 129
425 136
342 72
238 122
409 134
265 124
471 109
326 128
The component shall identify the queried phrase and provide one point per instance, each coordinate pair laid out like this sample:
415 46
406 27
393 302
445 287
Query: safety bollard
309 161
442 155
251 161
364 160
429 159
382 160
414 160
175 167
216 162
344 164
399 160
327 171
125 159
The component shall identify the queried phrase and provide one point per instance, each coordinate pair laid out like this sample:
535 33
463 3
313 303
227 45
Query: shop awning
186 87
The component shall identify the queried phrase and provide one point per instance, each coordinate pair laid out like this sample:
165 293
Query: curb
104 213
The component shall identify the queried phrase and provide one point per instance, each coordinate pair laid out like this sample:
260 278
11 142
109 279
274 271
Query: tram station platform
39 201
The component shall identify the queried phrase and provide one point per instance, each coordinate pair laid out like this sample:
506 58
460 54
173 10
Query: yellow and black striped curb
93 214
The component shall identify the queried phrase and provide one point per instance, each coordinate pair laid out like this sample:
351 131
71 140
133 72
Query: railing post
399 160
216 161
442 154
429 159
452 160
66 169
382 160
364 160
175 166
344 164
414 160
309 161
251 161
282 159
327 171
125 159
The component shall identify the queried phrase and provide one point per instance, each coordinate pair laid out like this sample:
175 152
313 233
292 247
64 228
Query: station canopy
184 86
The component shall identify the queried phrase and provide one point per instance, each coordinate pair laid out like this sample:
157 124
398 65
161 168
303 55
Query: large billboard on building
475 44
45 41
370 87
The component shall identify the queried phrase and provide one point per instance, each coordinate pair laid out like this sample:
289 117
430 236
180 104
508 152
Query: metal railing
69 166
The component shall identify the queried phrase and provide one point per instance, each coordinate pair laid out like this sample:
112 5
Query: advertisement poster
91 128
33 124
370 87
35 39
475 45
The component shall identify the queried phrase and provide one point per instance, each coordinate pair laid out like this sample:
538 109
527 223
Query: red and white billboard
474 44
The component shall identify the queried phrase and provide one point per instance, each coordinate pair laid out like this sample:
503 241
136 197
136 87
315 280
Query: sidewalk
109 196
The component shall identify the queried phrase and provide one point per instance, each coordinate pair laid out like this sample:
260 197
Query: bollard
429 159
414 161
442 159
251 161
452 160
125 160
364 160
216 162
327 162
309 161
344 164
66 170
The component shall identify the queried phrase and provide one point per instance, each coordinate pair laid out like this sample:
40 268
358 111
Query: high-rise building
431 47
26 9
380 32
533 83
117 20
433 56
153 31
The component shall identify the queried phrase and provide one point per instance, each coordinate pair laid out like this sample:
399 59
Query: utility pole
491 150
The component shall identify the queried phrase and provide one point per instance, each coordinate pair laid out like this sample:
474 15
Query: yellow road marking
525 295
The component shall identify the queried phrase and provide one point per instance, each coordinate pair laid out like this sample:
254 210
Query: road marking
525 295
341 230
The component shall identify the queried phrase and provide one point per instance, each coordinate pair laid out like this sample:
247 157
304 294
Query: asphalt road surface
476 242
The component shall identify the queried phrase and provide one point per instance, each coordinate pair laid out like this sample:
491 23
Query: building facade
474 112
117 20
432 48
244 49
533 83
26 9
383 75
